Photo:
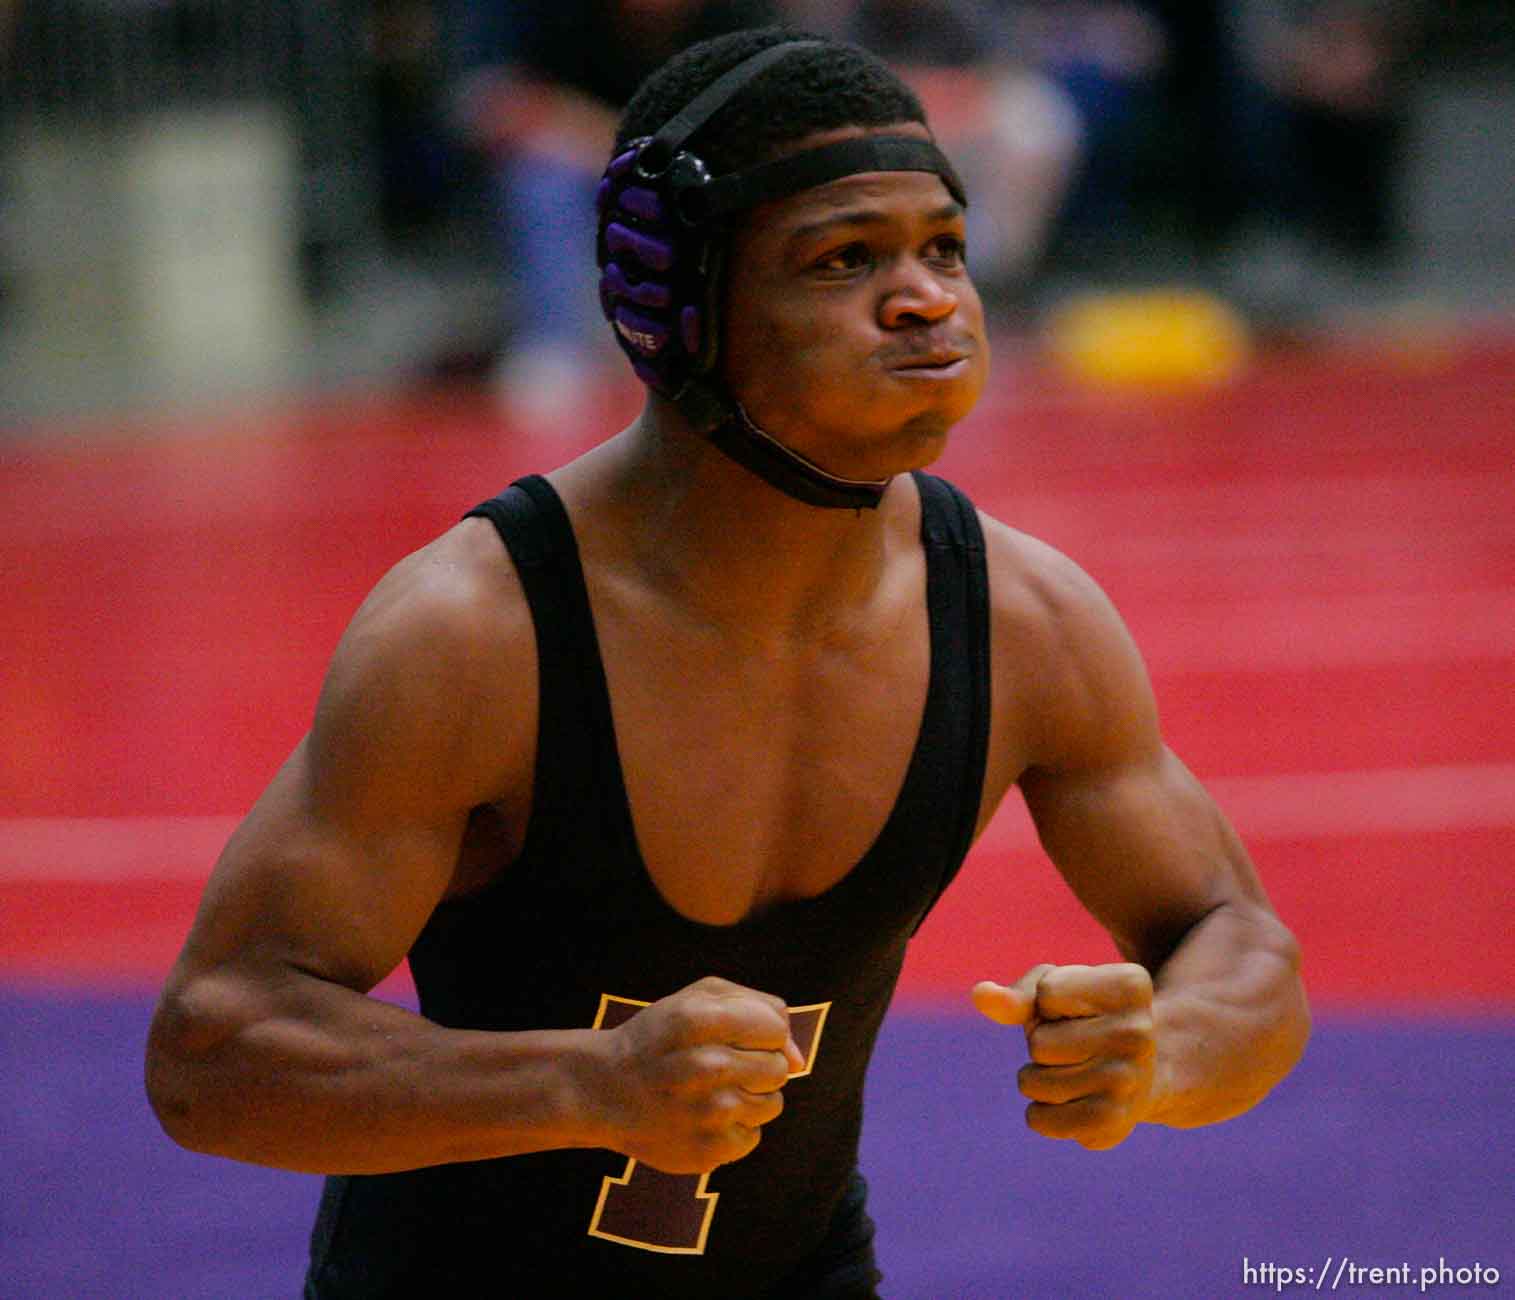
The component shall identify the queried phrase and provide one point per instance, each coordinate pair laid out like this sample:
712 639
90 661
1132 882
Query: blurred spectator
541 84
1333 74
1010 130
418 162
1268 132
1307 112
1106 56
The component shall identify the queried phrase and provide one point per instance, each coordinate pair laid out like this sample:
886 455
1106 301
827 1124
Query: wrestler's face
853 333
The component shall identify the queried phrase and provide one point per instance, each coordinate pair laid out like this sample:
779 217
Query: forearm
1230 1017
318 1078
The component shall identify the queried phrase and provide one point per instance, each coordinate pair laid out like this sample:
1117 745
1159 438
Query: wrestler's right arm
265 1046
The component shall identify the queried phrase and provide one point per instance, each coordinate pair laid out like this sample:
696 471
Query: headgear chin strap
662 225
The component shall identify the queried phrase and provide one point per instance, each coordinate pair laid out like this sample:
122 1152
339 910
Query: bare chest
760 772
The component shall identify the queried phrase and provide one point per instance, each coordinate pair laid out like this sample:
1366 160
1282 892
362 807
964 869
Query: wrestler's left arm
1208 1012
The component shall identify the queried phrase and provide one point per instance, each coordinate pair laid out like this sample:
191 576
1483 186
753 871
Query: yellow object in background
1163 339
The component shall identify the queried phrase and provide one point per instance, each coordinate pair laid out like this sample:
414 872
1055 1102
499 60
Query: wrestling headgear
663 227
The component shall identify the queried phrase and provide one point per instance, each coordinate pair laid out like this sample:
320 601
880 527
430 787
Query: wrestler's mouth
932 365
930 358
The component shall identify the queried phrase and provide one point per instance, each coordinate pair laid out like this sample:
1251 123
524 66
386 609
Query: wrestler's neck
695 522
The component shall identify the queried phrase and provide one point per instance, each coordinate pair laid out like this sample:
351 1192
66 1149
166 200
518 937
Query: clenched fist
1089 1030
692 1079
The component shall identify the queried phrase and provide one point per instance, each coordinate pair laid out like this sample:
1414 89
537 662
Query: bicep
305 885
1135 835
1143 846
356 839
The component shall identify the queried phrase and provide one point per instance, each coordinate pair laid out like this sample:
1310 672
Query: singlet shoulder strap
536 531
573 703
524 527
957 592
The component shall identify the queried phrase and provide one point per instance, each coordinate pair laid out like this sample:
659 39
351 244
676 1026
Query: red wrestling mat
1318 560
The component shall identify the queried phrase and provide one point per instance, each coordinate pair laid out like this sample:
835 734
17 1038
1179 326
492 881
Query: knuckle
1046 1086
1061 1042
724 1107
1045 1049
768 1074
680 1018
696 1017
1061 979
725 1147
1134 981
706 1062
1131 1037
767 1014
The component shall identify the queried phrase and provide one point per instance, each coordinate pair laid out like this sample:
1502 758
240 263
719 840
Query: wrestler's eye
951 249
850 257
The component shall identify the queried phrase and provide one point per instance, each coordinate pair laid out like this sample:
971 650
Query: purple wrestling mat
1389 1147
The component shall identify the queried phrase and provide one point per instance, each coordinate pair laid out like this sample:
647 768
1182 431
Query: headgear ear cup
654 235
639 254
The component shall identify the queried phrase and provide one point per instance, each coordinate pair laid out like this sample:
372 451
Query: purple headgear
662 222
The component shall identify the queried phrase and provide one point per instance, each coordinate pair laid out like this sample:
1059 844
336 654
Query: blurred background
200 197
286 288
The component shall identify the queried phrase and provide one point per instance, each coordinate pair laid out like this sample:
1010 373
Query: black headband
700 198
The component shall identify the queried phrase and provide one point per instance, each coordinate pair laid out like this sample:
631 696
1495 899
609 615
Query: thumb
1012 1004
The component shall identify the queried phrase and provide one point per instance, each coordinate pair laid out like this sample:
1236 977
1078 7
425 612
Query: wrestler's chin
923 441
914 445
947 406
923 436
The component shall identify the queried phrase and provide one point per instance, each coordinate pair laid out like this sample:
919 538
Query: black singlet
574 933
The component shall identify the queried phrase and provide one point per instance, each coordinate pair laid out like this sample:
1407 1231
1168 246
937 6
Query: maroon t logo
671 1213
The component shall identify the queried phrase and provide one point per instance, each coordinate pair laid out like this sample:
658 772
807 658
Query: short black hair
830 85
